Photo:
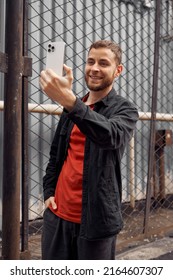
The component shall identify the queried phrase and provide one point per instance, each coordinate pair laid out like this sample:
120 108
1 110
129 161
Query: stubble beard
107 83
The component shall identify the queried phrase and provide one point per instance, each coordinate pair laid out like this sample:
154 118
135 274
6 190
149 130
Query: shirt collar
106 100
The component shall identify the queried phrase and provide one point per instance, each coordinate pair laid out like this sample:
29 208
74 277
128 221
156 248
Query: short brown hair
114 47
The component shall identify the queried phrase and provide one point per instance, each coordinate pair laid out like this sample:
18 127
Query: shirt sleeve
109 130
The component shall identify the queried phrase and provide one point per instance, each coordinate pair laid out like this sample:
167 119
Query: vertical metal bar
65 21
93 24
41 100
74 44
161 175
171 25
2 46
111 20
143 92
119 31
25 198
102 20
127 40
135 36
132 172
167 16
56 13
127 32
12 131
153 114
84 40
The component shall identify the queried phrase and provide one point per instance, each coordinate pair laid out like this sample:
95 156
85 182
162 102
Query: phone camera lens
49 45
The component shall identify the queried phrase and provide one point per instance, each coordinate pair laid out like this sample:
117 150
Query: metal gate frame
17 67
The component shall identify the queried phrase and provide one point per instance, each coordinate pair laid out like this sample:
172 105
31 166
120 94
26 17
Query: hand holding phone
55 57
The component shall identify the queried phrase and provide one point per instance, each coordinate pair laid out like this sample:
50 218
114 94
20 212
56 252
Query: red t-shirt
68 193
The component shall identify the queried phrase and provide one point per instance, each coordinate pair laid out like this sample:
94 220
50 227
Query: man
82 185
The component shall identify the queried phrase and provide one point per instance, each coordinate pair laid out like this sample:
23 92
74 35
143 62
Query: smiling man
82 184
101 69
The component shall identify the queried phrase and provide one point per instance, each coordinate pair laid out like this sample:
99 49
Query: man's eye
104 64
90 62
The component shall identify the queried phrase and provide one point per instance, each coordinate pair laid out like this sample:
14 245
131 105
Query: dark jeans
61 241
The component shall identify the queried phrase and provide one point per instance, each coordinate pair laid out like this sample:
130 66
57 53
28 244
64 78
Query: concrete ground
161 249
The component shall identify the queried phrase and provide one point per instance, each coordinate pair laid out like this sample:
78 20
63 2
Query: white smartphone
55 56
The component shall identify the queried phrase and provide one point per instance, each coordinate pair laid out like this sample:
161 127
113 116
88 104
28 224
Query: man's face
101 69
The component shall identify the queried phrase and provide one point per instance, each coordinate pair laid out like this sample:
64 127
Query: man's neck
95 96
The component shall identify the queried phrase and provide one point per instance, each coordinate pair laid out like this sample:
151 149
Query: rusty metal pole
153 114
12 131
25 253
161 176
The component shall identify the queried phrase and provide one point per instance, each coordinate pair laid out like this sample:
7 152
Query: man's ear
118 70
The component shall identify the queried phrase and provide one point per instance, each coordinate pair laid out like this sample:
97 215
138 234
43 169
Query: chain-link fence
132 25
144 29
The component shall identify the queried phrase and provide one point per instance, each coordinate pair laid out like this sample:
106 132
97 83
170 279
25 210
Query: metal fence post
12 131
25 254
153 114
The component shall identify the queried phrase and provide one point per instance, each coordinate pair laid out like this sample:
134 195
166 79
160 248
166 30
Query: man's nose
95 67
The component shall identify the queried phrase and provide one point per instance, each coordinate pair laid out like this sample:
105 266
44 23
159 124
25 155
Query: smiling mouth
95 77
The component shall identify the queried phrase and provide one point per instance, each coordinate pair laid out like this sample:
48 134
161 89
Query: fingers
58 88
69 73
50 73
67 68
51 201
42 79
54 206
47 74
47 78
